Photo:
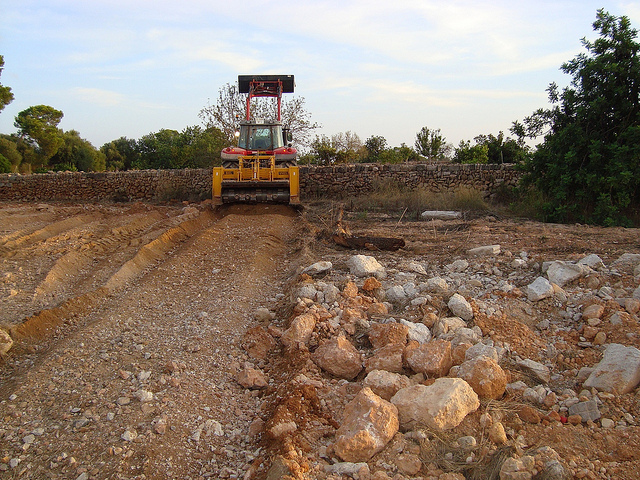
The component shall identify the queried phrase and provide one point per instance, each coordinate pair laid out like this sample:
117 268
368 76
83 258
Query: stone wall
349 180
195 184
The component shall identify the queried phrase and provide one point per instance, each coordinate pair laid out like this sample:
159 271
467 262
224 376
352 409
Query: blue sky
126 68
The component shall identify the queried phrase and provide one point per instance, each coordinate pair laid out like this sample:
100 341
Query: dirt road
150 304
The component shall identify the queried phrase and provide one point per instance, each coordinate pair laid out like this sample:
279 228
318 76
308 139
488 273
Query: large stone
442 405
318 269
518 468
481 350
365 266
484 251
539 289
562 273
460 307
627 262
396 295
258 342
592 261
369 423
535 369
385 384
436 285
448 325
618 372
338 357
433 359
587 410
381 334
417 331
485 376
300 330
388 358
6 342
440 215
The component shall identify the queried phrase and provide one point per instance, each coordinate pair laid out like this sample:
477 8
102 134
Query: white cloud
96 96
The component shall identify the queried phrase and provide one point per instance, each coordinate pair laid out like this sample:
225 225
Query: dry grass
393 197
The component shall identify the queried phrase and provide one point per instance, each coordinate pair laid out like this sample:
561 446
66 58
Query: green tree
467 153
503 150
5 164
431 143
9 150
38 126
200 148
375 145
6 96
77 154
121 154
587 167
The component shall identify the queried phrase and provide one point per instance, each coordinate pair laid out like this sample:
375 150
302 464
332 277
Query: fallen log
342 236
370 243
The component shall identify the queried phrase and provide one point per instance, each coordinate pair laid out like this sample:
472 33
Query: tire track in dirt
52 230
178 311
71 268
46 321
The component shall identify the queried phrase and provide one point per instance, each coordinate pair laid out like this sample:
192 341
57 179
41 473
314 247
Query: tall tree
431 143
588 167
6 96
38 126
77 154
230 109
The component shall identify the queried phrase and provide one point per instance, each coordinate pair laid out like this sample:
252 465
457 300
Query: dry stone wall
195 184
349 180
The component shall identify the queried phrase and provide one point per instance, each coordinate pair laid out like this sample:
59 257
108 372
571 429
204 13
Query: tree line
586 168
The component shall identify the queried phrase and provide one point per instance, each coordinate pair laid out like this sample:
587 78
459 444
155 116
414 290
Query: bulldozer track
134 291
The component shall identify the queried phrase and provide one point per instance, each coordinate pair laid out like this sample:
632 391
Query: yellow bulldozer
262 166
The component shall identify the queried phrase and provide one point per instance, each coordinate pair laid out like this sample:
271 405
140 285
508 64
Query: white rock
435 285
417 331
481 350
592 261
562 273
536 369
627 262
396 294
539 289
440 215
442 405
448 325
129 435
459 265
346 468
636 293
486 250
318 268
460 307
618 372
307 291
417 267
144 396
365 266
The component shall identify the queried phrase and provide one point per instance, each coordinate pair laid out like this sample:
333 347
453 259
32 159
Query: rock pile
403 355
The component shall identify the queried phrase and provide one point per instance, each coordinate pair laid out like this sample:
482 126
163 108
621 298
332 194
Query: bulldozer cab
260 136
